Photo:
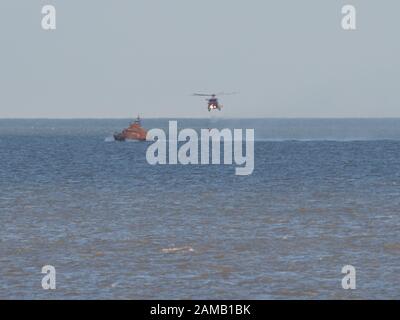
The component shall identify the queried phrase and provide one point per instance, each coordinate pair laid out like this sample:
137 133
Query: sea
324 194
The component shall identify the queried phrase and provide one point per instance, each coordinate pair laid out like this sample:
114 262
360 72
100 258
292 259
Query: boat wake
109 139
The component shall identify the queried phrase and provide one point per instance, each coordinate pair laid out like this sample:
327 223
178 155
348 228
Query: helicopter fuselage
213 104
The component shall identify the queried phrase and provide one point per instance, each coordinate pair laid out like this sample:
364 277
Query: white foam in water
109 139
177 249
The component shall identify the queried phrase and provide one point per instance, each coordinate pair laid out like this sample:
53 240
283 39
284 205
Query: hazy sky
117 58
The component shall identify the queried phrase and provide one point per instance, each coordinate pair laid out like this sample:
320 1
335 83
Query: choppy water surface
324 194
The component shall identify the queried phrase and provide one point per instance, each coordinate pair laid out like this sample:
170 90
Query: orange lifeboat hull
134 132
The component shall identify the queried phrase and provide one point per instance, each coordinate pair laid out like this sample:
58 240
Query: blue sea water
325 193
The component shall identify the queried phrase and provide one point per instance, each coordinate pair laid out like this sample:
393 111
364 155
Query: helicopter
213 103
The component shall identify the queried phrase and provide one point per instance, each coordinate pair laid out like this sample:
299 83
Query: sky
118 58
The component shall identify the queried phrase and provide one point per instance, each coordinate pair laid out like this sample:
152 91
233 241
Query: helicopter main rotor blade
202 95
226 93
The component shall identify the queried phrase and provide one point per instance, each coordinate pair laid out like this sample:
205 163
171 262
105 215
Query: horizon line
186 118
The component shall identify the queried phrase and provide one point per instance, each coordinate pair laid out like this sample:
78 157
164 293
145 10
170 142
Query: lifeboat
134 132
